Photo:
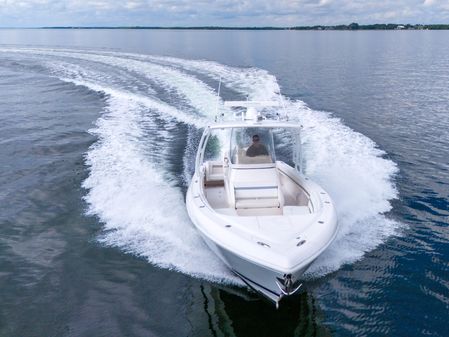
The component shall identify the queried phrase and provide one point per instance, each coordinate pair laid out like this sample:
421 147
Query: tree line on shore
352 26
377 26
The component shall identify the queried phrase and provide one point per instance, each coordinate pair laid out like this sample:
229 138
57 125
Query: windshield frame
295 129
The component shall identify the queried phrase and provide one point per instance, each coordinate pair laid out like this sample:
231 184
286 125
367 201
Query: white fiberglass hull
258 277
266 261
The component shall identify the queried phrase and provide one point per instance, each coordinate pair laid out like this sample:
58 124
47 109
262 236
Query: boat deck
216 196
292 198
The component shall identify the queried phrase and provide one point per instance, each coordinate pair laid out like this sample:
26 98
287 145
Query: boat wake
143 158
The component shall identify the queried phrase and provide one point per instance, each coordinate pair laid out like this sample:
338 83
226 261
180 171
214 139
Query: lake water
98 130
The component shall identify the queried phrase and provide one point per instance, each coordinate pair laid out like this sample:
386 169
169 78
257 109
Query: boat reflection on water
232 311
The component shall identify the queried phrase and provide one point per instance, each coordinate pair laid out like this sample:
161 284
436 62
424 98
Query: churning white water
132 189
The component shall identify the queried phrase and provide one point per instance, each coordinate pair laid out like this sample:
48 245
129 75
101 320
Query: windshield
216 145
252 146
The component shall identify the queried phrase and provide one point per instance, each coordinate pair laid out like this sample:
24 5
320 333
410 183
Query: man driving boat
256 148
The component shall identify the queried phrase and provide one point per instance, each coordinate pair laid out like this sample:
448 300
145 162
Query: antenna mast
218 99
282 100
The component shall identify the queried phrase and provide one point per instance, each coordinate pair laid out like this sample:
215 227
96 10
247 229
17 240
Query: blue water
98 130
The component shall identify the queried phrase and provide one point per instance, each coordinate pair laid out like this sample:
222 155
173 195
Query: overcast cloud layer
37 13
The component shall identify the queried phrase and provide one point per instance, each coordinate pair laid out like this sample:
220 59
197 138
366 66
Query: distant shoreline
352 26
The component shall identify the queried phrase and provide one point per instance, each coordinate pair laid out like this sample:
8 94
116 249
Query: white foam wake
143 211
353 171
138 198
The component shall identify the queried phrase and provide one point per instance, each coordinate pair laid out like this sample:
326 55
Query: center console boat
258 213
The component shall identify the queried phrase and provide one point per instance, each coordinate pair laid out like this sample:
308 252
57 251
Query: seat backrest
214 171
255 187
242 158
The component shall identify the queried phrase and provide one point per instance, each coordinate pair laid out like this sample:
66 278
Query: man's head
256 138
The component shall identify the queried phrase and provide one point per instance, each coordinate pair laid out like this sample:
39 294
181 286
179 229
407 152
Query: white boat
261 216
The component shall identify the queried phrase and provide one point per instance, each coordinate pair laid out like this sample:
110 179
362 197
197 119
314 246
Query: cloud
429 2
220 12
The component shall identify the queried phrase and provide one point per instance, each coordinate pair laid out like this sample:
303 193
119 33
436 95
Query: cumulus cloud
220 12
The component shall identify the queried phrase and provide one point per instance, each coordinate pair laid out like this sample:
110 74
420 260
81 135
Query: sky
282 13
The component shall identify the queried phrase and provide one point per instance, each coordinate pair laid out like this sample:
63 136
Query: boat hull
274 269
264 280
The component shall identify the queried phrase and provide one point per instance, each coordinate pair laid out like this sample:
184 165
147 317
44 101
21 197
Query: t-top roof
255 124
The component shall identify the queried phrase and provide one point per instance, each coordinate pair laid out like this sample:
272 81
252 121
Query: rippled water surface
98 132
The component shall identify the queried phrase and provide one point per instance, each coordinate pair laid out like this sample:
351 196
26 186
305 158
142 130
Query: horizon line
352 26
